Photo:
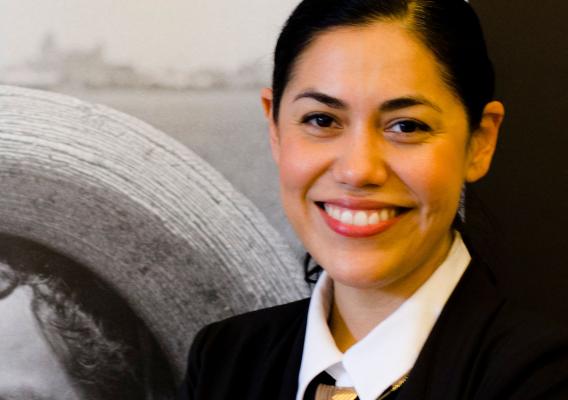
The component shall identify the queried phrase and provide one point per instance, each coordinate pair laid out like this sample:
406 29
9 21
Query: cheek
300 165
435 178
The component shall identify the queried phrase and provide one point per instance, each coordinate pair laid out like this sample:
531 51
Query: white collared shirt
390 350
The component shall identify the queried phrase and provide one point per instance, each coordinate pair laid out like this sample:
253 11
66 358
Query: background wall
527 191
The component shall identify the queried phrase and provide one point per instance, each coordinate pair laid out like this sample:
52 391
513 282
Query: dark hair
450 28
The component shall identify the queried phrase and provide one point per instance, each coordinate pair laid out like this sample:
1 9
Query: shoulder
250 335
522 352
266 321
519 332
526 355
485 345
519 321
226 354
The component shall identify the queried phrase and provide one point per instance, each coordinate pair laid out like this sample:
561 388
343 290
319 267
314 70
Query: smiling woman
379 114
383 140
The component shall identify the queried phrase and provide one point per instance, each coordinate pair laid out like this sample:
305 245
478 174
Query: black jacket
482 347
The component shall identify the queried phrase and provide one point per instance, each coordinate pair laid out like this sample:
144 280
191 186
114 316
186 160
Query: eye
319 120
408 126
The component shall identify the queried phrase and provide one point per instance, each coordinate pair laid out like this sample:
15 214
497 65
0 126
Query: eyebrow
329 101
408 101
389 105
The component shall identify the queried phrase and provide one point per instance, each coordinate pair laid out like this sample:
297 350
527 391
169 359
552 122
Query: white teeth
336 213
374 218
360 219
347 217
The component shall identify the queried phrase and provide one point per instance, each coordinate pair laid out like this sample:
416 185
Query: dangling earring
461 205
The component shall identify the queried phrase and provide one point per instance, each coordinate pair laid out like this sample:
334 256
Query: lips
358 219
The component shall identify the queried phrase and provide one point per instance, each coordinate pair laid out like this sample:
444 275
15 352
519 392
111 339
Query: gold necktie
326 392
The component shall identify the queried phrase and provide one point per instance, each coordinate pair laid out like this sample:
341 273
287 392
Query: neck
356 311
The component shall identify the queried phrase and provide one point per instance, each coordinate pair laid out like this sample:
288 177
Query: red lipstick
358 231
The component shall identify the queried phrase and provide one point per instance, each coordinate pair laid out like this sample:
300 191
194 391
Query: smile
359 217
359 222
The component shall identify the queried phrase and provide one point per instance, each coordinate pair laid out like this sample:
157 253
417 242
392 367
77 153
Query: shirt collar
390 350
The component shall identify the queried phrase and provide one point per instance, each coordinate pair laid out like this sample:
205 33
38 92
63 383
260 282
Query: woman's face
373 149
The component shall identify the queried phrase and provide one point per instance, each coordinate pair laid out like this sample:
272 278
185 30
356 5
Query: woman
380 113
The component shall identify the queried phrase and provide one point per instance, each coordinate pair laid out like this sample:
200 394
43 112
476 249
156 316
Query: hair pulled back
449 28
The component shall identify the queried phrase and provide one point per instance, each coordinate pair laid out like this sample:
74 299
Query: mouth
360 222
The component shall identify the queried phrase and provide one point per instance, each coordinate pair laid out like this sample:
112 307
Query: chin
364 275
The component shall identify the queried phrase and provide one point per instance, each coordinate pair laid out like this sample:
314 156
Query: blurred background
193 68
527 189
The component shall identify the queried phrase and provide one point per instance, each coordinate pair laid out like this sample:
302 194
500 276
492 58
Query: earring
461 205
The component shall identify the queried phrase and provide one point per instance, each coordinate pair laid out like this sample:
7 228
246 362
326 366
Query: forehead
28 366
383 56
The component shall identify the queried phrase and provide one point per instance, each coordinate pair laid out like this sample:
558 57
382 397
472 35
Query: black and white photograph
127 219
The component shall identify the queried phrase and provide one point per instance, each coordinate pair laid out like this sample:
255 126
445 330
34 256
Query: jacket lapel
444 365
448 358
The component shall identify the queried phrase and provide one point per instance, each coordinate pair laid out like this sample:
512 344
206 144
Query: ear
483 141
267 104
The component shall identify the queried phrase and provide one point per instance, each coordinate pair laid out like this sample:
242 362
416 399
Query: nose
360 161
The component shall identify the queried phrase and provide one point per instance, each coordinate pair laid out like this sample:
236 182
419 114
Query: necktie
327 392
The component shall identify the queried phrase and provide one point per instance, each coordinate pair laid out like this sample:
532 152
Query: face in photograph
57 343
29 367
